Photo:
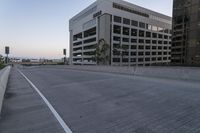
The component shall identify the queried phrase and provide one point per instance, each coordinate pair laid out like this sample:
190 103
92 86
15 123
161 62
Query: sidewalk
24 111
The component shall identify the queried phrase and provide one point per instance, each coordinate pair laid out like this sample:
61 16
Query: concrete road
94 102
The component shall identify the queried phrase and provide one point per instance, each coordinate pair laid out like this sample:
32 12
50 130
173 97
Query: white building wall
106 7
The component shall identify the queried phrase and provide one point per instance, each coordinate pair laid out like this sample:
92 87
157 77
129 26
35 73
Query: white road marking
58 117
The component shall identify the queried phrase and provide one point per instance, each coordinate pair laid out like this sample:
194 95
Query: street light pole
7 51
65 57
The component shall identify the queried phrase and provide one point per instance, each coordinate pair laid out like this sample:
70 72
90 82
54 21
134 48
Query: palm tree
102 53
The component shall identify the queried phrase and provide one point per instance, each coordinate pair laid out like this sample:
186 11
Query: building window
153 59
140 59
116 59
154 53
133 47
134 23
147 59
165 58
141 40
125 46
160 36
148 41
133 53
115 45
77 37
116 53
154 41
141 33
126 31
142 25
78 43
141 47
90 40
140 53
165 37
134 40
117 19
117 29
125 60
125 53
126 21
116 38
154 47
148 34
148 47
89 53
133 59
125 39
130 10
133 32
154 35
160 42
160 47
90 32
89 47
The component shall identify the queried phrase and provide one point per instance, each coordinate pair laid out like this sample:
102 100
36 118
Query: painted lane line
58 117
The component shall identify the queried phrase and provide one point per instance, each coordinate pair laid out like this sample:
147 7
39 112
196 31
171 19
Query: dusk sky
39 28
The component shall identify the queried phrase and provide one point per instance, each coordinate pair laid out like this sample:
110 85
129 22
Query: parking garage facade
186 31
135 35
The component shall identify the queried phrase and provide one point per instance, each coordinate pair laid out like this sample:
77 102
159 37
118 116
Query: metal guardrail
4 74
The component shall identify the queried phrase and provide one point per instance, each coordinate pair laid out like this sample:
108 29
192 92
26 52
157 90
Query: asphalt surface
94 102
24 111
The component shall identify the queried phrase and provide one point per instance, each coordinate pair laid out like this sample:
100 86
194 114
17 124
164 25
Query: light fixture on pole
7 51
65 53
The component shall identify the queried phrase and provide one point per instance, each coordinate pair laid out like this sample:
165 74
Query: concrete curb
4 74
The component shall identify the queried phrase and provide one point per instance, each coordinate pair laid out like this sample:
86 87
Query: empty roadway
97 102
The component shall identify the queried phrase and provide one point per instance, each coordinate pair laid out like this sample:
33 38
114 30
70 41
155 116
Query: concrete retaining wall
4 74
177 73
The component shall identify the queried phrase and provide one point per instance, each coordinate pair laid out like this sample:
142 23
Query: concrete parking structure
134 35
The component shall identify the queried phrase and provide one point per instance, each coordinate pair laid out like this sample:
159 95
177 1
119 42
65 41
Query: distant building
15 60
135 35
186 32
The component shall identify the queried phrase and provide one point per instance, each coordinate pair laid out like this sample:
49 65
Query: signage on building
97 14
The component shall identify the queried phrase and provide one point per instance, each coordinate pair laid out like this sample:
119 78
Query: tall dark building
186 32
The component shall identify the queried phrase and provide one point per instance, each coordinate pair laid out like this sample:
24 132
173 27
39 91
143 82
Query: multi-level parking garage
186 29
135 35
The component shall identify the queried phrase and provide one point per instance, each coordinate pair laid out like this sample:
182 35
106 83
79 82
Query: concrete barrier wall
4 74
178 73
